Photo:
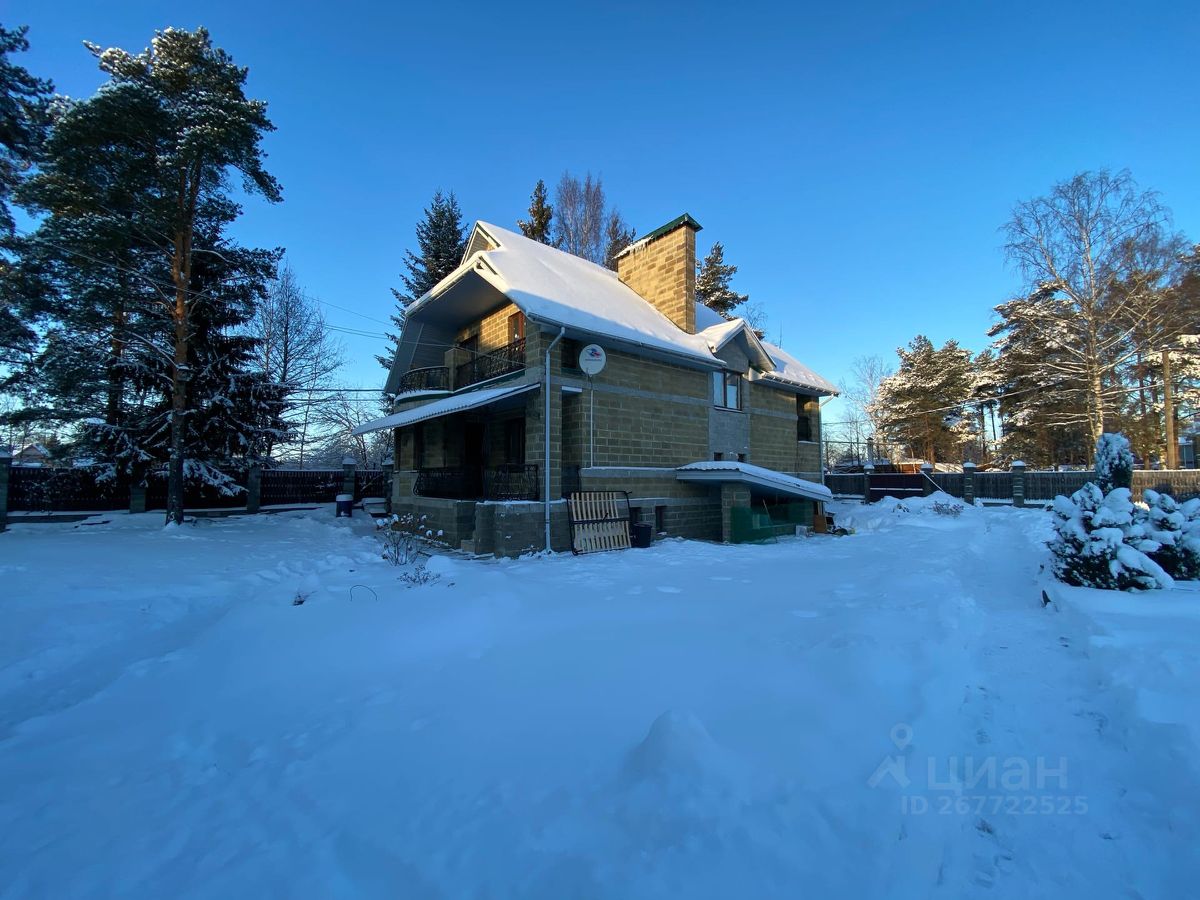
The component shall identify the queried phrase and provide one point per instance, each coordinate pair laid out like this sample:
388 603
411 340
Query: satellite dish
592 360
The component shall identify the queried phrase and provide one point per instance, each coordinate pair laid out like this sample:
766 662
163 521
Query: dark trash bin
345 505
641 534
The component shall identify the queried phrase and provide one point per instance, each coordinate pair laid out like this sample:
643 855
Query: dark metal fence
198 494
950 482
370 483
847 485
82 489
287 486
509 358
1048 485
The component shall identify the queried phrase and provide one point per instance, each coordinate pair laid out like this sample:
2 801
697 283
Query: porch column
534 414
733 496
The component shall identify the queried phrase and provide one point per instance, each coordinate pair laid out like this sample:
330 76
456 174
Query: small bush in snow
400 538
1176 530
1114 462
948 509
1099 544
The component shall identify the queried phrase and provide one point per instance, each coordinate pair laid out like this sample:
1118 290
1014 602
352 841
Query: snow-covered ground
890 714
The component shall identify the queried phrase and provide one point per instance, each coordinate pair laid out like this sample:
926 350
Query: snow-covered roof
755 476
455 404
562 290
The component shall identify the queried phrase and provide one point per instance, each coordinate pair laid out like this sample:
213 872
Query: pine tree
617 236
537 226
712 283
925 404
24 101
441 242
140 170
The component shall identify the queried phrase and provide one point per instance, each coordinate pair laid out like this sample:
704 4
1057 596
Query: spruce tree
441 242
712 283
537 226
925 404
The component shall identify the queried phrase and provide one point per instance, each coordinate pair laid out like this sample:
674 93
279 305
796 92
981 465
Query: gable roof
559 289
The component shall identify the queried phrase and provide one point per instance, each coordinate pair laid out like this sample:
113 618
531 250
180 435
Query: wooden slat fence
599 521
289 486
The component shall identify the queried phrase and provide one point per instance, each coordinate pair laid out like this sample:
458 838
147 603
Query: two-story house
698 419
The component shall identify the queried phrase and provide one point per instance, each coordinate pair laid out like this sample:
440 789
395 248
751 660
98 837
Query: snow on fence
1040 487
92 489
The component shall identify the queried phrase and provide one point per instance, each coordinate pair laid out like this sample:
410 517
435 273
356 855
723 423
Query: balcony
514 481
432 378
486 366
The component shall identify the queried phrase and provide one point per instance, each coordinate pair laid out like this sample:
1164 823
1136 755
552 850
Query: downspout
546 435
821 435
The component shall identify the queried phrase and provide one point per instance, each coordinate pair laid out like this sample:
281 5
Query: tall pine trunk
181 274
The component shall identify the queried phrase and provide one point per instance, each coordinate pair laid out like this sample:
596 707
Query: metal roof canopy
447 407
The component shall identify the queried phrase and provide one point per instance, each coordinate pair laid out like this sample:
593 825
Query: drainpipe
546 434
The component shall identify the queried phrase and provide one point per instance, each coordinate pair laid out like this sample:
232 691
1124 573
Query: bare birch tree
1096 256
296 352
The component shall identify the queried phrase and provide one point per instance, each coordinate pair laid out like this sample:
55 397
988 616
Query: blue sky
856 159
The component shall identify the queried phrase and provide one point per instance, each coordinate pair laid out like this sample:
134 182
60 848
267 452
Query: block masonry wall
663 271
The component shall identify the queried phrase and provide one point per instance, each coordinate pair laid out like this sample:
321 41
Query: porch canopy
447 406
762 480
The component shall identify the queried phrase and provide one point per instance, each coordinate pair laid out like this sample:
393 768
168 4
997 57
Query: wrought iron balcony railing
510 358
505 482
432 378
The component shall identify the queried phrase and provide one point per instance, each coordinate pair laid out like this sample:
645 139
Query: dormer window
727 390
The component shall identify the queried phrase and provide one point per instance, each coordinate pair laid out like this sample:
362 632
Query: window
570 353
717 457
516 327
727 390
660 519
803 427
741 457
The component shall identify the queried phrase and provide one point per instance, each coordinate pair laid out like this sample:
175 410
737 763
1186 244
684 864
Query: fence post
868 471
137 498
388 466
927 482
969 483
254 487
5 469
1018 483
348 464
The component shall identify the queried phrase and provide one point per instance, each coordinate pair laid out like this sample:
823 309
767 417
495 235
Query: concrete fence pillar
348 465
254 488
137 498
969 483
5 470
868 471
1018 483
927 485
1196 451
389 467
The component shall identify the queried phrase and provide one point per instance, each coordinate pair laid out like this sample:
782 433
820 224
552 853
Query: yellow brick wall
664 273
492 328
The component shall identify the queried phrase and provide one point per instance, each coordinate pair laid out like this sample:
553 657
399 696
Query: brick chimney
661 267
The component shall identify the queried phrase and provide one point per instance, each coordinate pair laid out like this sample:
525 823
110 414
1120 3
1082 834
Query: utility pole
1169 412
